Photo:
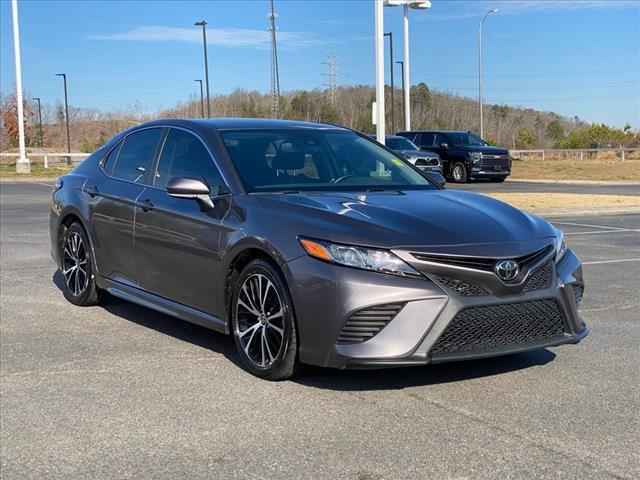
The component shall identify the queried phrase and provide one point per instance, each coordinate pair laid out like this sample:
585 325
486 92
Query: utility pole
393 115
402 75
379 55
66 112
331 75
480 96
203 24
22 165
201 99
37 99
275 74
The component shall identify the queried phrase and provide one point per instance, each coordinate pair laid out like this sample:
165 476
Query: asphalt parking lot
120 391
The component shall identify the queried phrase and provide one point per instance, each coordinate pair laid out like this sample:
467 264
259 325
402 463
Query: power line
332 78
275 74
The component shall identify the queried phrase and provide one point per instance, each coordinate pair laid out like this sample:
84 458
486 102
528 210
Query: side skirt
163 305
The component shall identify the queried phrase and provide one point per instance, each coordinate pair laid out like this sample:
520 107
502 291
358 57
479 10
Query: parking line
600 232
620 260
606 227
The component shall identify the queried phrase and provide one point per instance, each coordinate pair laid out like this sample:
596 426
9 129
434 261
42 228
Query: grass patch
587 169
566 201
37 171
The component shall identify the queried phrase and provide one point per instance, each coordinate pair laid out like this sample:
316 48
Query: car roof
227 123
436 131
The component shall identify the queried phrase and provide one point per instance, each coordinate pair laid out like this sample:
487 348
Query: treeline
507 126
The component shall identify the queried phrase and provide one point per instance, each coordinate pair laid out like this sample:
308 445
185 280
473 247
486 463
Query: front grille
489 328
427 162
367 323
461 287
491 162
540 279
480 263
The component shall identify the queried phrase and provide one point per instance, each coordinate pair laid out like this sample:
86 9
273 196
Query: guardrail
46 156
578 154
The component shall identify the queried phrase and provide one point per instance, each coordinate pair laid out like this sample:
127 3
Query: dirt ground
537 202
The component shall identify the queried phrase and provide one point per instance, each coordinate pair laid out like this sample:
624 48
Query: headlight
475 156
561 246
381 261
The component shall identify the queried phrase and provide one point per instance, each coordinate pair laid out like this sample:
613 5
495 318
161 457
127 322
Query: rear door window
426 139
137 155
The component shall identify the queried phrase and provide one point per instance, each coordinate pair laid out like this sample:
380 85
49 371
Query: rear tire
263 322
459 173
76 256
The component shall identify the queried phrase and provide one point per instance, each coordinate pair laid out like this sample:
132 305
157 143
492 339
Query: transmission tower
275 74
331 76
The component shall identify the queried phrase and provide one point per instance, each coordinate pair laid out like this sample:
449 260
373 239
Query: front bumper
327 296
482 173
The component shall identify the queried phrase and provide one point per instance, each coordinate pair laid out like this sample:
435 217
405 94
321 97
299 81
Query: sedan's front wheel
263 322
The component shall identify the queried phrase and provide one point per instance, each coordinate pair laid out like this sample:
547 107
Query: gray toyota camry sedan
312 244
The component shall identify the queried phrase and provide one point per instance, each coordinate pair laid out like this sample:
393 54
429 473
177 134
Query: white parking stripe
620 260
600 232
605 227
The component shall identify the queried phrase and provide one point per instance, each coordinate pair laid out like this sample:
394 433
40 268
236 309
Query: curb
586 213
620 183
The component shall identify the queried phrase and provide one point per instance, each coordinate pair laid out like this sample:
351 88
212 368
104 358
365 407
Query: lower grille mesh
489 328
540 278
466 289
365 324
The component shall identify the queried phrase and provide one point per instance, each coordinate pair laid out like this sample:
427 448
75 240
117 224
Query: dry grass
566 201
587 169
37 171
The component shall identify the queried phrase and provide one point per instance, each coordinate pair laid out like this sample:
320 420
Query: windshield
466 139
400 143
297 159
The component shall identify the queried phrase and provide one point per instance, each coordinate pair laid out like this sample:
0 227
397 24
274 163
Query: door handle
91 190
146 205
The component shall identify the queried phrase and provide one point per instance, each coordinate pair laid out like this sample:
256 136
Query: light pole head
416 4
61 74
494 10
202 23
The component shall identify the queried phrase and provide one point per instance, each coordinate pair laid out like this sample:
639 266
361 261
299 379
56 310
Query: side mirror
435 178
444 146
182 187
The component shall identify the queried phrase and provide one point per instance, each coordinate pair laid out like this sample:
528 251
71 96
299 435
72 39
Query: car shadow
165 324
405 377
326 378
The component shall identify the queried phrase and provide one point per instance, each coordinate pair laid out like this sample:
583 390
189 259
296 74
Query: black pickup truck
464 156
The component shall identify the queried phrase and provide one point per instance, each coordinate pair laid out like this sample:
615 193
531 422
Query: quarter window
137 155
184 155
109 161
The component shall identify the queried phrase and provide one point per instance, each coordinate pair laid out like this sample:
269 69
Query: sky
569 56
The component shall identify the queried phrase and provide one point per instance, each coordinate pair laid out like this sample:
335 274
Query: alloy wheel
457 173
260 320
74 264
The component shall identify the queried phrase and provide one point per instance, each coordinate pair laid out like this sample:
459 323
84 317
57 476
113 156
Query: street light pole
406 77
203 24
402 76
480 96
66 112
37 99
379 50
22 165
201 99
393 115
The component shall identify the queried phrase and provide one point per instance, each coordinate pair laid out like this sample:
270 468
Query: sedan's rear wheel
77 267
263 322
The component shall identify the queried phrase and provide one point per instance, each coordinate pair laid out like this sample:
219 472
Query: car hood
428 219
417 154
487 150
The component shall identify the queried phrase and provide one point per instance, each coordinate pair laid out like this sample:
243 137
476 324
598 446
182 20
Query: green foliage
598 136
525 139
555 131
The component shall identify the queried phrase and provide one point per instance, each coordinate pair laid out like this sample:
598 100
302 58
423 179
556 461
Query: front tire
79 283
263 323
459 173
